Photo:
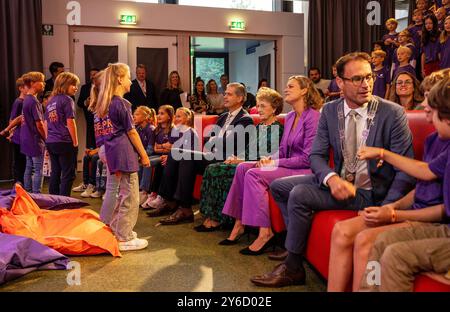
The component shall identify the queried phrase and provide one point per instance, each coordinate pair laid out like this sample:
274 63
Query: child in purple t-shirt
61 129
390 39
123 148
403 56
32 132
444 41
162 146
145 122
333 92
428 245
383 80
13 132
430 46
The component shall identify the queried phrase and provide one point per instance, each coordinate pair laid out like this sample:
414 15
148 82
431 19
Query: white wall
244 68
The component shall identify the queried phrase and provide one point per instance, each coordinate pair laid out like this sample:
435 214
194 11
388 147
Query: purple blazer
296 155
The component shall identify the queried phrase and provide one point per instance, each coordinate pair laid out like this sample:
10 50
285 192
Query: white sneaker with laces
134 244
80 188
97 194
89 190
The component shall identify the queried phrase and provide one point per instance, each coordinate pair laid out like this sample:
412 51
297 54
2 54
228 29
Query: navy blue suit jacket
390 131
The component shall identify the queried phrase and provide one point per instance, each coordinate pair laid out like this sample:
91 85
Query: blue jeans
145 174
33 182
100 184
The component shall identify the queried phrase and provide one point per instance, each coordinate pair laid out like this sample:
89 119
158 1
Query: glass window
260 5
210 67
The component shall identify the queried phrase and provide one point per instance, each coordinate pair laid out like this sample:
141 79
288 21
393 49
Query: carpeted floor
177 259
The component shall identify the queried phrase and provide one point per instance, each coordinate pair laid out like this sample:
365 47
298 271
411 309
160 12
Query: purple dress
248 199
31 142
16 111
429 193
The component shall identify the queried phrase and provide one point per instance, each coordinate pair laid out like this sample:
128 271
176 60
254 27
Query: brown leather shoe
278 255
182 215
280 277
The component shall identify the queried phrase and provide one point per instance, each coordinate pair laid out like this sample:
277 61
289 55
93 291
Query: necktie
226 124
351 143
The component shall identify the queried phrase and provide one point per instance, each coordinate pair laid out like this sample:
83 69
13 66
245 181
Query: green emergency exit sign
237 25
128 19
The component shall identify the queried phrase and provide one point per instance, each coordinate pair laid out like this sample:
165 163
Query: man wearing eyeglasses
357 119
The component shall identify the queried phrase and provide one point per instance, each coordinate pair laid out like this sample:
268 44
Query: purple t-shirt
408 68
440 166
391 47
445 54
416 33
187 139
161 137
333 87
382 79
16 111
432 50
31 142
60 108
120 153
429 193
414 55
102 127
147 135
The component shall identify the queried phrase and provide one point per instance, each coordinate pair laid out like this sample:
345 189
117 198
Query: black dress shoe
248 252
201 228
281 276
279 255
229 242
158 212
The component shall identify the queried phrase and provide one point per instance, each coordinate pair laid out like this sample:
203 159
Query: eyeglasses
406 82
358 80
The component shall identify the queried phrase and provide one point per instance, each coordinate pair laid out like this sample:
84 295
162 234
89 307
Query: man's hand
377 216
341 189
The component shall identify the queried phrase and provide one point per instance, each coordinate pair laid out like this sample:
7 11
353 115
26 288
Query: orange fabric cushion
71 232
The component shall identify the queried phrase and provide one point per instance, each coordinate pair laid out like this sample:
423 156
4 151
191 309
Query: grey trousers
404 252
126 211
299 196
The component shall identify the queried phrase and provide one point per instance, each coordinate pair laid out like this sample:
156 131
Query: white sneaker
142 198
134 234
158 203
134 244
89 190
150 198
80 188
103 197
97 194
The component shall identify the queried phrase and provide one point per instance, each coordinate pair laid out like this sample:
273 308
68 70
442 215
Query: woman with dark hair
198 100
406 91
263 83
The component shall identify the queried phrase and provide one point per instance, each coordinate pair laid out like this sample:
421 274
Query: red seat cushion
420 129
319 241
424 283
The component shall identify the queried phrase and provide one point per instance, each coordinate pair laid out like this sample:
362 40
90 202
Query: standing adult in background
83 103
142 91
354 120
319 83
171 94
214 98
251 99
224 80
55 69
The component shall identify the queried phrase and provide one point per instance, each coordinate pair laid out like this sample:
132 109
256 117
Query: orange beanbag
71 232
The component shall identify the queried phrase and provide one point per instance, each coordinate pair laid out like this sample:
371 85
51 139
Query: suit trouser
299 196
179 179
404 252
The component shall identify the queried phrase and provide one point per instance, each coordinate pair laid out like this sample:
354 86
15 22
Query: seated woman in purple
61 130
248 200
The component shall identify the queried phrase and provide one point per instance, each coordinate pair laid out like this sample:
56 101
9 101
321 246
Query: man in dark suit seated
142 91
228 137
346 124
55 69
